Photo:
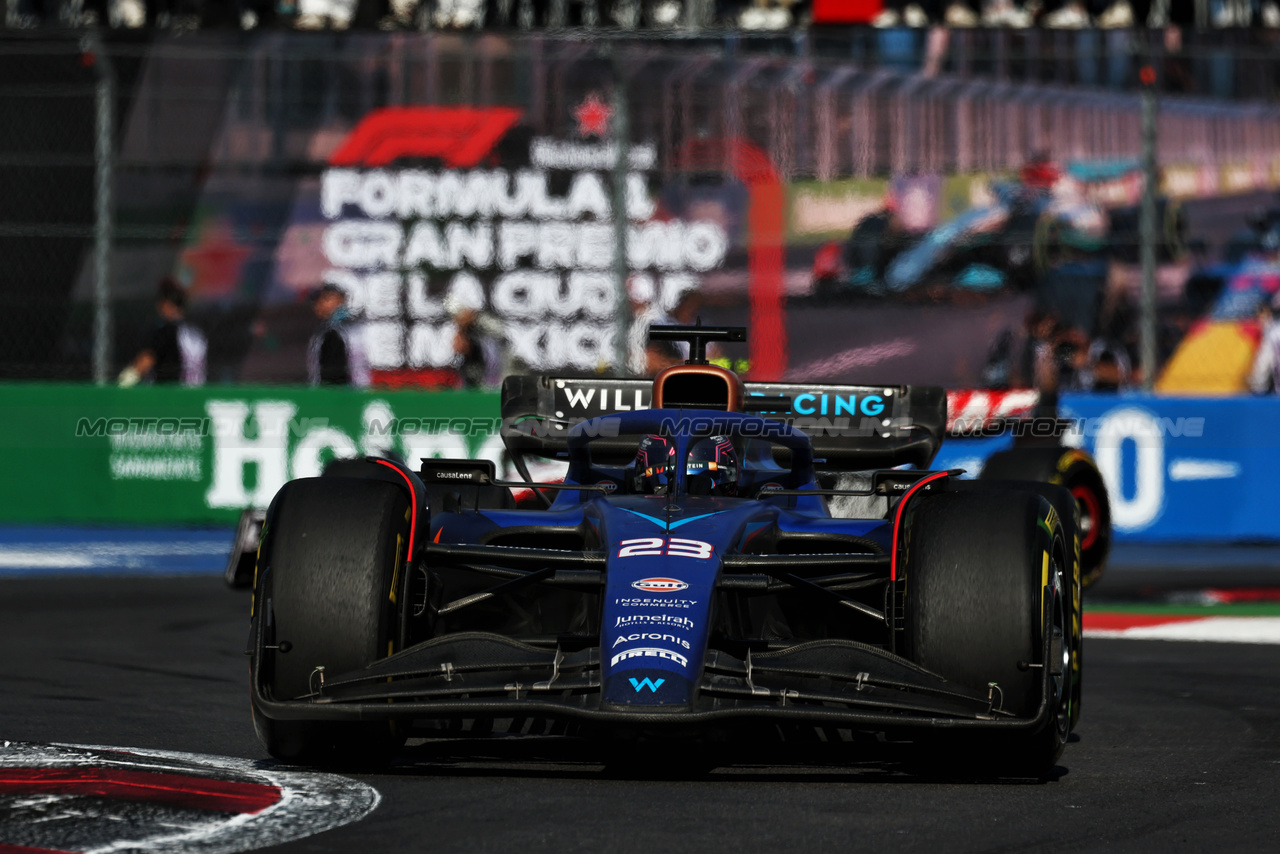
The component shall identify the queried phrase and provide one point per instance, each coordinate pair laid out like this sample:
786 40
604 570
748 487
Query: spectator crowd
630 14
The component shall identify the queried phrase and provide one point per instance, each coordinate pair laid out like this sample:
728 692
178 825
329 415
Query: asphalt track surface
1179 748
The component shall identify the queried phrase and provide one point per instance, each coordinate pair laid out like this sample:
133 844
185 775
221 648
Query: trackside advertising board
1185 469
1178 469
200 455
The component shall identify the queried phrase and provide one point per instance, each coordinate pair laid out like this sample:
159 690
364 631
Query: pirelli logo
649 652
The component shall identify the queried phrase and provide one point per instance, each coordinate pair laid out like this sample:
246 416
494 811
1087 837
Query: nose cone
653 636
656 616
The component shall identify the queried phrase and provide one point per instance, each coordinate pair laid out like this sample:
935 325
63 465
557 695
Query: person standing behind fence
474 347
1264 376
336 352
176 351
646 358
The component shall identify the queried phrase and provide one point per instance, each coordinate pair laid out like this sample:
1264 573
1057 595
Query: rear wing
853 428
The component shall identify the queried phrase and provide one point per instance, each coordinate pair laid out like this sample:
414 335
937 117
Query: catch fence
219 144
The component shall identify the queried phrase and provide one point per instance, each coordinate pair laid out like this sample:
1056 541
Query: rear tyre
327 570
978 567
1075 470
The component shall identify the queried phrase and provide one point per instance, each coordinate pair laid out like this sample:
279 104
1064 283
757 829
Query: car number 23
657 546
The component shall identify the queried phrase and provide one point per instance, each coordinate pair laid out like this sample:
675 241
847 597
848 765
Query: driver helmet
712 467
654 465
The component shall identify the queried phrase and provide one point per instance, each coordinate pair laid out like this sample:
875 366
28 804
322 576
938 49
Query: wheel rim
1087 501
1060 652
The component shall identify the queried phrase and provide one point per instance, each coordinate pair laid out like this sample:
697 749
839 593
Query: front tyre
985 582
327 576
1069 515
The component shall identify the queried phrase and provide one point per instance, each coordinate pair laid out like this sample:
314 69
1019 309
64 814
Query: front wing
469 675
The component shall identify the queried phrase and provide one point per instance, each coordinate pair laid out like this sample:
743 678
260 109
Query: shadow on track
571 758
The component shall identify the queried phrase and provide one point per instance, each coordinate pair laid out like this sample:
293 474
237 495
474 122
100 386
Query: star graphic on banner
216 259
593 116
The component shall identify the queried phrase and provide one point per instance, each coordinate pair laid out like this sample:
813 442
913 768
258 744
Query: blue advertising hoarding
1177 469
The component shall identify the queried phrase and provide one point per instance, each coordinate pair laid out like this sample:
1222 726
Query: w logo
652 685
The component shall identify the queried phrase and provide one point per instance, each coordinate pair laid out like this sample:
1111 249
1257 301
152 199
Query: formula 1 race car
712 564
1017 434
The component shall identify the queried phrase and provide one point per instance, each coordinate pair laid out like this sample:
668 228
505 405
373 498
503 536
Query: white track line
310 802
1212 629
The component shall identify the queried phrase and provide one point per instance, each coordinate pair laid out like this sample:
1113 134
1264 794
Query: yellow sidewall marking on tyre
395 572
257 560
1070 458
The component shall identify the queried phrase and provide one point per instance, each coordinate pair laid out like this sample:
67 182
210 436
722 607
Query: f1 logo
652 685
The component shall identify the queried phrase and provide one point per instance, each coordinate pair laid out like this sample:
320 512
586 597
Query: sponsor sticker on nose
660 585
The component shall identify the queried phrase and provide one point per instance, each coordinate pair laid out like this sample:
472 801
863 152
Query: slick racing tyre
1068 513
1074 469
329 561
985 580
244 550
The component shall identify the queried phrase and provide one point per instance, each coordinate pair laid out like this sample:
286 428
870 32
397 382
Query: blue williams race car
712 564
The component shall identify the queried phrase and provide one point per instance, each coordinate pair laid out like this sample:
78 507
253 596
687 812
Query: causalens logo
660 585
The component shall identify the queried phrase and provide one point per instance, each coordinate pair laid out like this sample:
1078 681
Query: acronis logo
652 684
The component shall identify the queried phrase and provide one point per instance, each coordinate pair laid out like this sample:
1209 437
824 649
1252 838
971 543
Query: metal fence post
697 14
104 164
621 165
1147 223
